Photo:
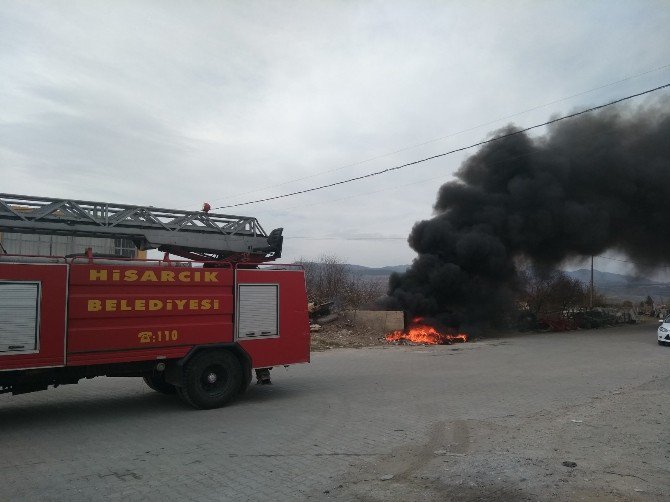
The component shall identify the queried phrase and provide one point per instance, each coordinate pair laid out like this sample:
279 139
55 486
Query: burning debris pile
591 184
421 332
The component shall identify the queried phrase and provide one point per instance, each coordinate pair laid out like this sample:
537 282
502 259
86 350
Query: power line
649 265
614 259
396 187
326 238
450 152
440 138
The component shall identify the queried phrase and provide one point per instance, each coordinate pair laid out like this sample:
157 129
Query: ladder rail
30 208
149 227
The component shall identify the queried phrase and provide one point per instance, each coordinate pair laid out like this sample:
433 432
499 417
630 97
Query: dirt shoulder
344 333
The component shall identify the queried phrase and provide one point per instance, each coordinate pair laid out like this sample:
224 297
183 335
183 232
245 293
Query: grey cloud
172 104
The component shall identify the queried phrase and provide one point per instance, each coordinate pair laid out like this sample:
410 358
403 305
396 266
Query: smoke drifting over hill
597 182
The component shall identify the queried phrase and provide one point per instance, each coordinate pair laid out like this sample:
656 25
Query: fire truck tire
246 381
211 379
184 397
157 382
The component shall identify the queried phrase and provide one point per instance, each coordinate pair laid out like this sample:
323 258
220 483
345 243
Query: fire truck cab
195 327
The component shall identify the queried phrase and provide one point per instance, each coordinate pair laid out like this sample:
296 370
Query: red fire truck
195 326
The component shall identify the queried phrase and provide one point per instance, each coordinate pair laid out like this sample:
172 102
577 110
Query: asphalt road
492 420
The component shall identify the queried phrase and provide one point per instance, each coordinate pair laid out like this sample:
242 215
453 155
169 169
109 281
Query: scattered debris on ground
338 330
341 332
319 309
573 320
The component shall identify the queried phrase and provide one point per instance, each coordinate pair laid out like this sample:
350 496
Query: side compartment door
32 315
271 320
20 314
257 311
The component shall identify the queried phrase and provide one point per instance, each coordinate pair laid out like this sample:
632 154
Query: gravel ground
570 416
587 421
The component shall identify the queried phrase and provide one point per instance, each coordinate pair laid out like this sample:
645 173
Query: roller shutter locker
19 316
258 310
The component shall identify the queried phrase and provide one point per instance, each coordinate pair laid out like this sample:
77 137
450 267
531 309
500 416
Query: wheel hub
212 378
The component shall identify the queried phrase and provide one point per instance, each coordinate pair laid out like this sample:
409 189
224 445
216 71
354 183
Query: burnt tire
156 381
211 379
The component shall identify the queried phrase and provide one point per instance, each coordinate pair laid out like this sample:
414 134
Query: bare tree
566 293
329 279
551 292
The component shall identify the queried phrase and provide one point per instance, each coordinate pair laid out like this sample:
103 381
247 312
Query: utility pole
591 296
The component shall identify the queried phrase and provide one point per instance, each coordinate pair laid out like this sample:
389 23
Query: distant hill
623 287
608 278
616 287
375 271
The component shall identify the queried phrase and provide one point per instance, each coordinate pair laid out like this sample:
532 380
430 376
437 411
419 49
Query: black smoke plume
593 183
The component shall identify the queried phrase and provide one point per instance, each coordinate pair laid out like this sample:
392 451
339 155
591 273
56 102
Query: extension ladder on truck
189 234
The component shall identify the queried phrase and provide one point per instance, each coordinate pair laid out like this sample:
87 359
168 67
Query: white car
664 331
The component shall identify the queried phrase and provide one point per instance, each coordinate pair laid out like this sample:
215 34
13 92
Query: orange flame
425 334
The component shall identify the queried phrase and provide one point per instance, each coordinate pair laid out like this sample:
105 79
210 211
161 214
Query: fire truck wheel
157 382
211 379
246 379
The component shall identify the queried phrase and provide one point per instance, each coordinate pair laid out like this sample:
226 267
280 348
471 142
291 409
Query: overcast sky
176 103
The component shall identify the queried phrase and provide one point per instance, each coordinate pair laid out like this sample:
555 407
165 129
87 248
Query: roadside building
64 245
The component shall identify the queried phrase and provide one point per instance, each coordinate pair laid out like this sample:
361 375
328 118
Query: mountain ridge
616 287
